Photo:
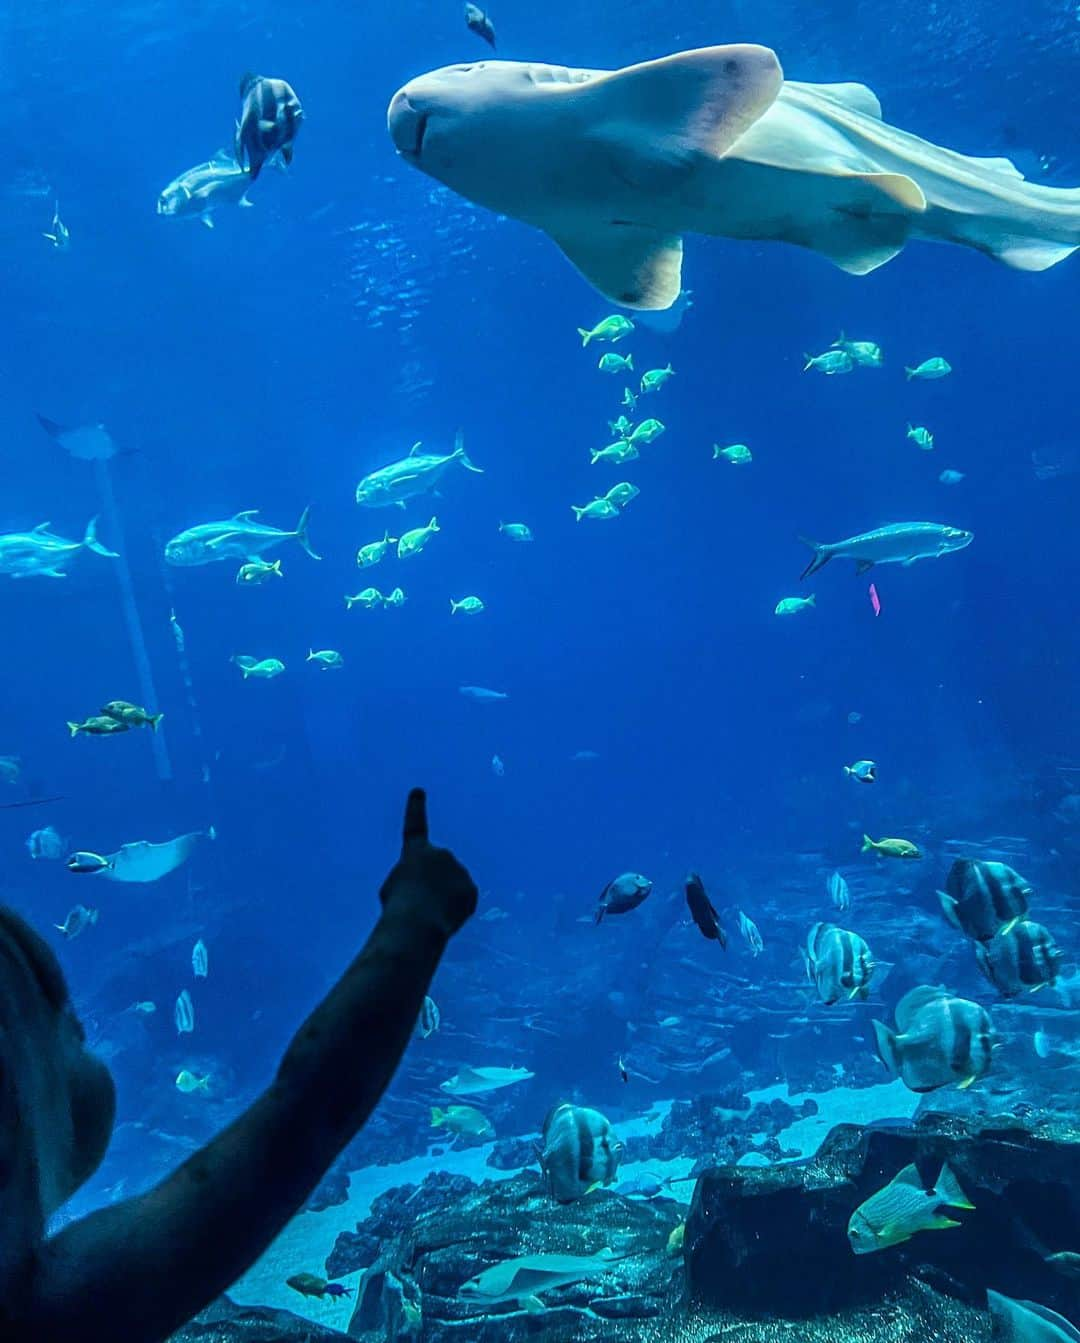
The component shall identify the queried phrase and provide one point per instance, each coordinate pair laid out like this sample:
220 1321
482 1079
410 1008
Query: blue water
357 308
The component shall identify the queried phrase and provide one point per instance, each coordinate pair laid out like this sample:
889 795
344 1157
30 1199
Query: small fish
87 862
308 1284
622 1069
620 495
471 606
854 717
328 659
60 237
891 848
184 1014
929 369
616 363
738 454
78 920
1040 1042
616 453
839 892
516 531
188 1083
10 768
478 1081
375 551
134 715
101 725
875 600
832 361
791 606
862 771
395 599
270 119
654 378
702 911
256 572
1028 1322
200 960
579 1150
838 963
939 1040
368 599
478 22
864 352
981 898
611 328
622 426
413 542
497 766
599 508
46 843
921 436
750 934
622 894
143 1009
430 1018
629 400
261 669
1022 957
904 1208
481 694
648 431
676 1239
951 477
463 1121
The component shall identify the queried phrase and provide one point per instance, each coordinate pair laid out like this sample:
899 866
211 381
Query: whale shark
615 166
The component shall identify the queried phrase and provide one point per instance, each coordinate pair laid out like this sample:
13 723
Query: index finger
416 823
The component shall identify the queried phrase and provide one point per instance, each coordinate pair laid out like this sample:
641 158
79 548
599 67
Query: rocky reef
226 1322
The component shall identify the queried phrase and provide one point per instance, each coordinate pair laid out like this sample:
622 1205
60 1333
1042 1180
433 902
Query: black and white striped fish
430 1018
579 1151
939 1040
270 118
1023 956
982 897
838 963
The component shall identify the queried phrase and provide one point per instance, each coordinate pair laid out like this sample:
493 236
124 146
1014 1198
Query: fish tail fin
848 771
809 362
595 458
578 512
91 542
463 456
812 599
630 362
433 525
302 533
822 555
948 1188
203 1084
349 603
909 373
867 844
74 728
453 606
276 566
948 908
438 1117
885 1040
310 654
155 720
586 336
245 672
212 832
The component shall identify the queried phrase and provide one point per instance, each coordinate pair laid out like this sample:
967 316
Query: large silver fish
838 963
579 1151
899 543
205 188
269 122
939 1040
143 862
236 538
412 476
41 554
616 165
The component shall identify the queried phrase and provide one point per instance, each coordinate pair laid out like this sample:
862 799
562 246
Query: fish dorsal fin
416 448
855 97
633 266
246 515
909 1176
911 1004
41 527
662 116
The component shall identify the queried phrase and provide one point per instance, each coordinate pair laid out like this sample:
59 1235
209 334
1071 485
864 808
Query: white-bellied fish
616 363
612 328
737 454
838 963
904 1208
921 437
184 1013
469 606
887 847
375 551
616 453
830 363
939 1040
414 541
326 659
394 600
899 543
478 22
599 509
98 725
620 495
134 715
865 353
189 1083
369 598
197 193
793 606
654 378
929 369
238 537
257 572
86 863
579 1151
40 553
862 771
413 475
516 531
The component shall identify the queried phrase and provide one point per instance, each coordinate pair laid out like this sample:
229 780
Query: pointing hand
427 881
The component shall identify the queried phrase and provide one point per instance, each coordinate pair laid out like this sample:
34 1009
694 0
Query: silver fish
750 934
939 1040
236 538
522 1278
41 554
838 963
899 543
839 892
412 476
184 1014
579 1151
430 1018
205 188
200 960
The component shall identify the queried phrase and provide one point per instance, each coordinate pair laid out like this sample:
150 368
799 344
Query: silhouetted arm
135 1272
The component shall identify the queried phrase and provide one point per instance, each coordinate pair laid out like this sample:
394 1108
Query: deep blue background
241 368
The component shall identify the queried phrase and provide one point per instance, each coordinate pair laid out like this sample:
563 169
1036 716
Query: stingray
90 442
616 166
142 861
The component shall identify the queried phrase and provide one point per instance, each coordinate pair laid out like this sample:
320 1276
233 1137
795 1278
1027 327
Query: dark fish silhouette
702 911
269 121
478 22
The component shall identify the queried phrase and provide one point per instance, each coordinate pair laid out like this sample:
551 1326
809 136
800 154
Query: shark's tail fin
91 542
302 533
822 555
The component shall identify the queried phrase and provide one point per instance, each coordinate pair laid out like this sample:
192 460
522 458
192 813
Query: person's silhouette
136 1271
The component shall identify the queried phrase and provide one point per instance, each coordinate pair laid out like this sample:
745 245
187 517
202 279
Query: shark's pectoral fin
871 223
661 117
633 266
